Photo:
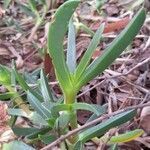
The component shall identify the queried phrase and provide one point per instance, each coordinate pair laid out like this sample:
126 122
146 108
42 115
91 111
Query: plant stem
74 125
70 99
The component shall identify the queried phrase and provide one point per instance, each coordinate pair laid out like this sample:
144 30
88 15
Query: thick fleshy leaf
5 75
46 92
36 119
40 132
16 145
114 49
17 112
126 137
78 146
24 131
36 104
47 139
30 133
62 121
88 54
103 127
71 48
7 96
58 108
24 85
89 107
102 109
57 31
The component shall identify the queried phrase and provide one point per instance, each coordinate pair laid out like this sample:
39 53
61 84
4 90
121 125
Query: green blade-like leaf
36 104
24 85
71 49
59 107
114 49
24 131
103 127
46 92
17 112
62 121
126 137
30 133
88 54
89 107
32 4
40 132
7 96
78 146
57 31
36 119
47 139
102 109
5 75
16 145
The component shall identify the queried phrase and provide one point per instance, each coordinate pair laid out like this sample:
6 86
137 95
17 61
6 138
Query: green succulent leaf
78 146
24 85
42 131
88 54
36 119
14 145
102 109
103 127
30 133
17 112
46 92
58 108
57 31
36 104
126 137
5 76
62 121
114 49
7 96
47 139
89 107
71 48
24 131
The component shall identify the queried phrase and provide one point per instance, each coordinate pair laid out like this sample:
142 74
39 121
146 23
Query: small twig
138 65
92 123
